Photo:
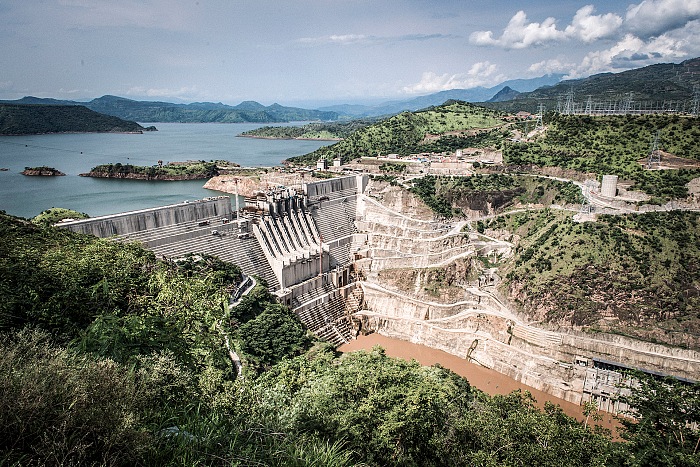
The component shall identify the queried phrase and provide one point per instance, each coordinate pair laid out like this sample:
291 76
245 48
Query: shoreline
140 132
288 139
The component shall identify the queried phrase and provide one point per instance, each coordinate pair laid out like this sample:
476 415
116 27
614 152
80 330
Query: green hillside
615 145
406 133
39 119
671 84
634 274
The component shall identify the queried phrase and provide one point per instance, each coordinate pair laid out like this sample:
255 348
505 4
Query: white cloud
550 66
519 33
340 39
480 74
351 39
634 52
588 27
655 17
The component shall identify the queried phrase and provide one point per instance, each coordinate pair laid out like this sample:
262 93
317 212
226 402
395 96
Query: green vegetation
319 130
176 170
657 430
111 357
447 196
393 167
54 215
42 171
616 145
16 119
406 133
637 269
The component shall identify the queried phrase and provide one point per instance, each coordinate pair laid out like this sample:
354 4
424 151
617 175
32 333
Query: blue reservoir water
73 154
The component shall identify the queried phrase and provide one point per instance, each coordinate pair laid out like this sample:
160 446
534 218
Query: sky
320 52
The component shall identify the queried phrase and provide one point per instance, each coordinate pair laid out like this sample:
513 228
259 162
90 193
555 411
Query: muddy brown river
485 379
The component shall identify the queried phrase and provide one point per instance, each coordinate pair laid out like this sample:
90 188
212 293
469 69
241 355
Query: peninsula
19 119
172 171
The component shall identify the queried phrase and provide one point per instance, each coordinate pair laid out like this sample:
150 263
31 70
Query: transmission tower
654 154
569 106
696 101
627 103
589 106
540 111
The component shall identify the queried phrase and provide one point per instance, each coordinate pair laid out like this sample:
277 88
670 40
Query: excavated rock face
399 199
445 284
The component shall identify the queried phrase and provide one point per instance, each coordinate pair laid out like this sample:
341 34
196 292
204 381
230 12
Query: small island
172 171
42 171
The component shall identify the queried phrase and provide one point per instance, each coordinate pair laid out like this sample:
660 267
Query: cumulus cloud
519 33
480 74
588 27
633 52
652 18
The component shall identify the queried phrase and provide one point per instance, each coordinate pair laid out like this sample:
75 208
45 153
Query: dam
352 255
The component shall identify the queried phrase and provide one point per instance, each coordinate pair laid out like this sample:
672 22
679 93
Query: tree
662 428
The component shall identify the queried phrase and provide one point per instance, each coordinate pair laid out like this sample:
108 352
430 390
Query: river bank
484 379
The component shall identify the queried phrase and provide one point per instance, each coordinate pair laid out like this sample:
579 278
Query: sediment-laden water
485 379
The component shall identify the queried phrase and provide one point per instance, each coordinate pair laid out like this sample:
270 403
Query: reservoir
73 154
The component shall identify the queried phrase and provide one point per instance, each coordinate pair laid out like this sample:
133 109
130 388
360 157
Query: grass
632 270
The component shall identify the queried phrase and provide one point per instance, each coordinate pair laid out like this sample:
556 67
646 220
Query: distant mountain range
477 94
198 112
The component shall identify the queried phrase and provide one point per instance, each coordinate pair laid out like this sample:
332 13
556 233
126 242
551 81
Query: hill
316 130
198 112
657 84
637 275
615 144
453 124
39 119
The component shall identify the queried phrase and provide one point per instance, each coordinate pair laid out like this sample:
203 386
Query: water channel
484 379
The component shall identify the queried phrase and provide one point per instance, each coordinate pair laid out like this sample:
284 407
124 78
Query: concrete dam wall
153 218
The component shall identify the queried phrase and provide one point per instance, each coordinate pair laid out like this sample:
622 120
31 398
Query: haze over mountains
666 82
